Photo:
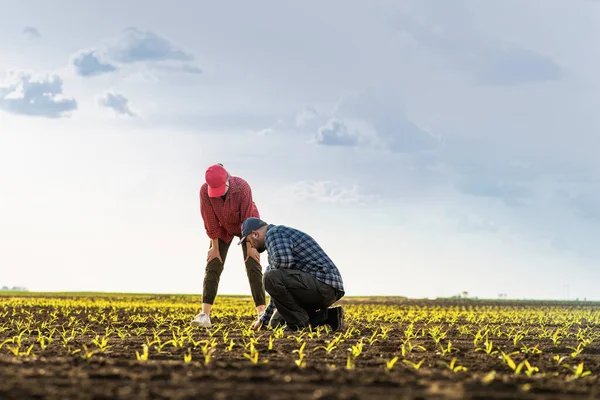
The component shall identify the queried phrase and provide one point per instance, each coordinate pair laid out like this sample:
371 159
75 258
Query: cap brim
242 240
217 191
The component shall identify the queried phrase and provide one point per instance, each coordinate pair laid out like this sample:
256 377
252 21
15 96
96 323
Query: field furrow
143 346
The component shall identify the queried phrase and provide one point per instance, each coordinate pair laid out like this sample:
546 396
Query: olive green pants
214 268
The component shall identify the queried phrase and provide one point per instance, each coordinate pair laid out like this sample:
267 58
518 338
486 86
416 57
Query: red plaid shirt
223 218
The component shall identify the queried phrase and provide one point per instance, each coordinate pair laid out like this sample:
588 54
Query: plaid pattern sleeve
269 310
290 248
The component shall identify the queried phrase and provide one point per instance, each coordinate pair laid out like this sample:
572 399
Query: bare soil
117 374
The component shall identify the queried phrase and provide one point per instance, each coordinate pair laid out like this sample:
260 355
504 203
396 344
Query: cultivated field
137 347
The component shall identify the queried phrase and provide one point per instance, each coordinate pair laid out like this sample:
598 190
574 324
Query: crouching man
301 279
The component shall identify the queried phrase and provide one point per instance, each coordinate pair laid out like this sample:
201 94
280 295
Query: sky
430 147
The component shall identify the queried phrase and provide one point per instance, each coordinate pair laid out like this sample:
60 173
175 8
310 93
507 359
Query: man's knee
271 279
214 266
253 268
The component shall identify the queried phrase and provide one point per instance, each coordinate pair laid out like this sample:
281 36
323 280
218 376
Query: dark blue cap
249 225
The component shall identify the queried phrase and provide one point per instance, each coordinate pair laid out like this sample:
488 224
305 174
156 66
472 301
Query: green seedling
144 355
390 364
300 361
412 364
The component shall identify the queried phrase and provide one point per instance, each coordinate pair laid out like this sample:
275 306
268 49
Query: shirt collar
233 185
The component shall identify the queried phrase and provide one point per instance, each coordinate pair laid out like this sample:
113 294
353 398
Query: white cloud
382 111
32 32
116 102
306 115
328 192
373 119
470 222
88 63
263 132
586 201
132 47
136 45
513 65
450 30
336 133
35 95
190 69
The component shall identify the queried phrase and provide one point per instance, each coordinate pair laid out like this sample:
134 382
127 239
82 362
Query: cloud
450 31
327 191
35 95
371 118
587 204
190 69
306 115
481 173
512 193
263 132
514 65
32 32
381 111
117 102
136 45
336 133
470 222
133 47
87 63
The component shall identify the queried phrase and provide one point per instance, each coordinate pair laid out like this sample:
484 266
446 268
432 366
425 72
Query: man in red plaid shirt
225 203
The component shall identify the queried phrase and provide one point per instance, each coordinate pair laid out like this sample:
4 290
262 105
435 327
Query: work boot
335 318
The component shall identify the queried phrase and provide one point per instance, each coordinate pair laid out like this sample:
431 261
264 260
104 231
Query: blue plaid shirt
290 248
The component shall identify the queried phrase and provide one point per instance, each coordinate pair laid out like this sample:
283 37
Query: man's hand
213 253
256 326
252 252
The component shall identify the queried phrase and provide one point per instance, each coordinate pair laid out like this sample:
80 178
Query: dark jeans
300 298
214 269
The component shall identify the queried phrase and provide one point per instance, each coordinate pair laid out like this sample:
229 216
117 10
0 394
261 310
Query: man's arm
211 223
280 249
269 310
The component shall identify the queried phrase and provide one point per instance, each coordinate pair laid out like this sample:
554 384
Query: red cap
216 178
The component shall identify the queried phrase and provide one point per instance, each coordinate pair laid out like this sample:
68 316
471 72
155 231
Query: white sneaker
202 320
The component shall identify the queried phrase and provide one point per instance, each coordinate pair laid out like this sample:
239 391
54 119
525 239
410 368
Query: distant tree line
13 289
463 295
